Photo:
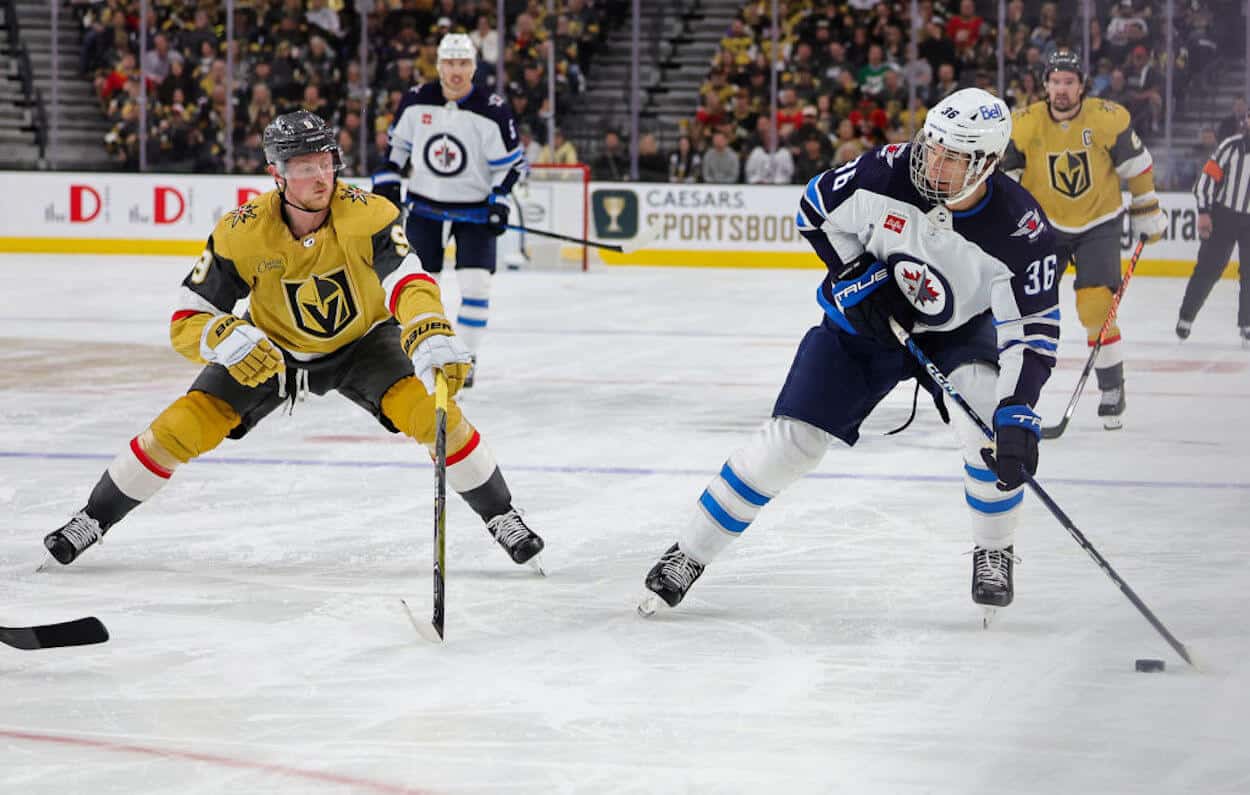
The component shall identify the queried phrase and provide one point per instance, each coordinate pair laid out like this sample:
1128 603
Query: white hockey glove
1145 218
432 345
241 348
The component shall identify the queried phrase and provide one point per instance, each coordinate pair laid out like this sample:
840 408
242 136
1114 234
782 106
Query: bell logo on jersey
322 306
1030 225
445 155
1069 173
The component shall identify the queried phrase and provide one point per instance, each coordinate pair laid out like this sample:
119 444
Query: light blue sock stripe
721 516
977 473
470 321
995 506
478 302
743 490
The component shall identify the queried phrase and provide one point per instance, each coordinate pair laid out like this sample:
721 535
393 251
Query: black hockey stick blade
82 632
1056 430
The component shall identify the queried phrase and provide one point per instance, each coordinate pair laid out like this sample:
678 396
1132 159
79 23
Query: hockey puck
1149 666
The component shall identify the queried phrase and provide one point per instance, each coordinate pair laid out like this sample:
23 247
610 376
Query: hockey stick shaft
81 632
1055 431
440 501
942 381
527 230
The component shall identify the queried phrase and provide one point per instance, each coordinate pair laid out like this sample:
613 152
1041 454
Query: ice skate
992 583
71 539
1183 327
521 543
669 580
1111 408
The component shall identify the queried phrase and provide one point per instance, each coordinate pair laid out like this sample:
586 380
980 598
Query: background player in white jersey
930 234
465 153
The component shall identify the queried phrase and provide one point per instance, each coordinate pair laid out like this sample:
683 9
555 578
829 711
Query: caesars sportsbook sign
753 226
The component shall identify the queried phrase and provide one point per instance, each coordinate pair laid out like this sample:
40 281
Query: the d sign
161 197
78 213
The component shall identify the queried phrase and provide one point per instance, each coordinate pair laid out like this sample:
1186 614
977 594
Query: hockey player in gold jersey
337 300
1071 152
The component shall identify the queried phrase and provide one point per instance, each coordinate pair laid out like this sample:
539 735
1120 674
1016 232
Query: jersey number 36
1041 275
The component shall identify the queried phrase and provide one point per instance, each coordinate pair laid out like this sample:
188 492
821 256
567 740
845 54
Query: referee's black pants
1227 228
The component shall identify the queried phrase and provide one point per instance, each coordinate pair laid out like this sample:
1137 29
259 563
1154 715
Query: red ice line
214 759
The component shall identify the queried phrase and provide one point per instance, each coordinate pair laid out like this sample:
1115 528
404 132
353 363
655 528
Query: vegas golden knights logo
1069 173
322 305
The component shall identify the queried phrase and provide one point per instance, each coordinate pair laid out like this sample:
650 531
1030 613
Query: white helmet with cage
971 126
456 45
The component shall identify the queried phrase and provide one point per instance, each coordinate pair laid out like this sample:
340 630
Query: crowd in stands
850 77
849 71
288 54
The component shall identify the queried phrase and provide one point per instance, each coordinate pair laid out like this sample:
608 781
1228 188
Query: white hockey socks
474 306
780 453
995 514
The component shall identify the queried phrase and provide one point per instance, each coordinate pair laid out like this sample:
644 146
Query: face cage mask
922 149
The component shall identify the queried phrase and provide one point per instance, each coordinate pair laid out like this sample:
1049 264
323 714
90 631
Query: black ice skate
992 583
1183 327
669 580
472 374
521 543
67 543
1111 407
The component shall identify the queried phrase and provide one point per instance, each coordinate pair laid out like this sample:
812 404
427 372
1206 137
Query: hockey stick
644 238
1055 431
82 632
440 516
940 379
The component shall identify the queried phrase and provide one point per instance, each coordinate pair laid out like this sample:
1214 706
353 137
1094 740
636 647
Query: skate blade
1112 423
987 616
536 563
48 560
652 604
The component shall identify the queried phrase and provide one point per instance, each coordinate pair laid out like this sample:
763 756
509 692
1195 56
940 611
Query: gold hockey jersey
310 295
1073 168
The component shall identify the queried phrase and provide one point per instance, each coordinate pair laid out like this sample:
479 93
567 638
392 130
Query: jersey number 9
402 247
200 272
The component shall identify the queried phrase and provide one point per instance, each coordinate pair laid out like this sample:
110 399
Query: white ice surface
259 646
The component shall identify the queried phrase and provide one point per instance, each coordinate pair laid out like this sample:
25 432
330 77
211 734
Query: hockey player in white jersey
465 153
927 233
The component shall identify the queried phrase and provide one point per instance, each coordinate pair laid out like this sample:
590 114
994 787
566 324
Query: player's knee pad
192 425
410 409
1092 306
474 311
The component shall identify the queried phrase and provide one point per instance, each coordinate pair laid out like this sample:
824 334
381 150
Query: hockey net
555 198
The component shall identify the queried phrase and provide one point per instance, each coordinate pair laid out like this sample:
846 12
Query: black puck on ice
1149 666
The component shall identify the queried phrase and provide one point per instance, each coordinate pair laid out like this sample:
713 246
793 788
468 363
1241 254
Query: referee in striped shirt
1223 192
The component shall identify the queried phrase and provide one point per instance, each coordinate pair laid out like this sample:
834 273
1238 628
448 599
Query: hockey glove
864 305
1017 429
432 345
244 350
497 212
389 188
1146 219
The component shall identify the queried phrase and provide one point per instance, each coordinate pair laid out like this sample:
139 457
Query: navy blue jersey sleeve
501 144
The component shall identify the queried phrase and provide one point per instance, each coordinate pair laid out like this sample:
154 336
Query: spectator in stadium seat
1118 90
764 167
964 30
612 163
1231 125
811 161
563 153
684 163
835 63
1145 90
652 166
324 19
935 47
946 84
115 80
720 163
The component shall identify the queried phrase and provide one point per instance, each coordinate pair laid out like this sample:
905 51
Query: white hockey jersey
998 256
460 151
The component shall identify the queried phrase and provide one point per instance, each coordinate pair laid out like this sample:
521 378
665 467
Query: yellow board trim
680 258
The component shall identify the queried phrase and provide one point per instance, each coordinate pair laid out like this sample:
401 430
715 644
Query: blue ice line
638 471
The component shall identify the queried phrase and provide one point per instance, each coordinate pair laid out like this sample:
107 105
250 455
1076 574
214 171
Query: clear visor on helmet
942 174
304 167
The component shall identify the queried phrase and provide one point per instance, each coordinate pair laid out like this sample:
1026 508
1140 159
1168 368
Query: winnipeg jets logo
1030 225
891 152
444 155
924 288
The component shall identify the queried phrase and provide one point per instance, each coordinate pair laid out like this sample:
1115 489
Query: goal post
553 198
